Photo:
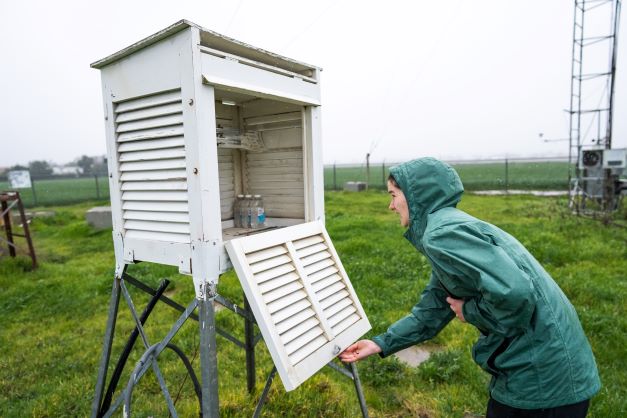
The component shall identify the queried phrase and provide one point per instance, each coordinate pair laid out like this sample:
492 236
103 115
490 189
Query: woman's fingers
359 350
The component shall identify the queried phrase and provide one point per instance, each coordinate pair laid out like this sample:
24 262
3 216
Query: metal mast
595 36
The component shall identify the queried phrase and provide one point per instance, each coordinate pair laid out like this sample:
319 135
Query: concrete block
99 217
354 186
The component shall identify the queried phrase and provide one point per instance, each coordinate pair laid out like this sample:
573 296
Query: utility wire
311 24
233 16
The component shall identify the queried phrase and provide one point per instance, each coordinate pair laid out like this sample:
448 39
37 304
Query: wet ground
414 356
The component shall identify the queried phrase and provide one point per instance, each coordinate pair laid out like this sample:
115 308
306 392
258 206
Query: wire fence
487 174
56 190
493 174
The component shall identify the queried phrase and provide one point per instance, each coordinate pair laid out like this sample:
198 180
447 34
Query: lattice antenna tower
593 70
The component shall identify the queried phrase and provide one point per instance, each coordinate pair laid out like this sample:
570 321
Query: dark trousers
576 410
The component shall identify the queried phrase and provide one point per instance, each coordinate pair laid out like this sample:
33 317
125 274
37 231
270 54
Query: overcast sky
401 79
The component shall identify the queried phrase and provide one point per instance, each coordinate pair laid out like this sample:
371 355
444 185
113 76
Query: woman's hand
456 306
360 350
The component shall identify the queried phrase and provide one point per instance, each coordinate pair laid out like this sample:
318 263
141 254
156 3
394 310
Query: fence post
334 177
32 186
367 171
383 174
97 187
506 175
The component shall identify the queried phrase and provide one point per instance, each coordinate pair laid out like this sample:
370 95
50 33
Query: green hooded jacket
531 340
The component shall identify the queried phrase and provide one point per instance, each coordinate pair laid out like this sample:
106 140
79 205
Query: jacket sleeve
426 319
505 299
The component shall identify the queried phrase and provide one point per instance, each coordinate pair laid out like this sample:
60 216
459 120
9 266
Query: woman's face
399 204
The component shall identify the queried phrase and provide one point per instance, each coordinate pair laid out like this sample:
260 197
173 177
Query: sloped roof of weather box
217 41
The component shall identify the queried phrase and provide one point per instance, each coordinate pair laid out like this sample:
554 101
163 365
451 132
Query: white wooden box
173 181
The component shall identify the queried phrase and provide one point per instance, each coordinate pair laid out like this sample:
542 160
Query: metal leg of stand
106 348
153 361
208 358
264 395
359 390
249 342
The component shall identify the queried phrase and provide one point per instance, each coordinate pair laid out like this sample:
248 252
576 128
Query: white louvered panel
150 112
153 165
162 132
273 273
303 340
150 144
319 248
308 349
282 291
153 177
300 329
291 311
342 326
265 254
277 282
320 265
156 206
294 319
323 273
150 101
333 299
286 301
306 242
153 154
270 263
156 196
301 297
179 174
328 291
327 281
157 226
156 216
152 123
314 253
154 185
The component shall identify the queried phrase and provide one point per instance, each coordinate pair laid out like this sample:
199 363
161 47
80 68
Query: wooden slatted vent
301 296
151 156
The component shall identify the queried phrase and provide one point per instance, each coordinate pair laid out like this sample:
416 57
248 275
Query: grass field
544 175
52 320
485 176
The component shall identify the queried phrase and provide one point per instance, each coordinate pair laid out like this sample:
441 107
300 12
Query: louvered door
151 157
301 296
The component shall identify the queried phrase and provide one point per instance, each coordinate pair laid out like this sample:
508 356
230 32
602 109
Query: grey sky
403 79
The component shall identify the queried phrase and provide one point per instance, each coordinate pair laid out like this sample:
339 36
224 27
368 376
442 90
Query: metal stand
14 198
207 389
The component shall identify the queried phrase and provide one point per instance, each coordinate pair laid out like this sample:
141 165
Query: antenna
592 183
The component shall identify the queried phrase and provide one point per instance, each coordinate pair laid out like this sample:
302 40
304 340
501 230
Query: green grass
544 175
52 319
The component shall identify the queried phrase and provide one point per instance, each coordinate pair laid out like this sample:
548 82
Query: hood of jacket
428 185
